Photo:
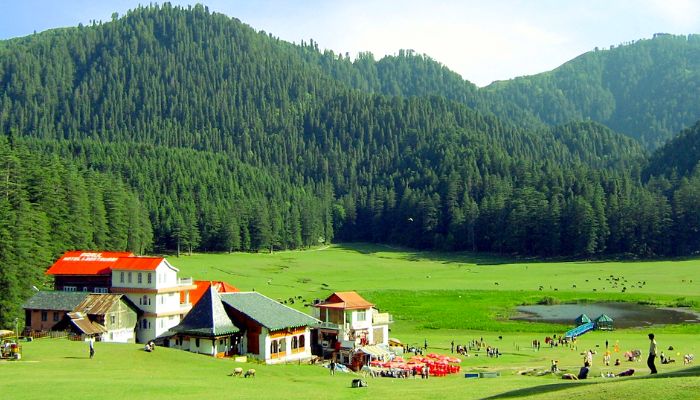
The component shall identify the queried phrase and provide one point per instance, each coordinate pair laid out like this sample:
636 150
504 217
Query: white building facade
152 284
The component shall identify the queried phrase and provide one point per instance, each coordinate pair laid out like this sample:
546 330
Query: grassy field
433 296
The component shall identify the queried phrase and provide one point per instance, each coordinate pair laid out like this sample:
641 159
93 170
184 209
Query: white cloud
684 15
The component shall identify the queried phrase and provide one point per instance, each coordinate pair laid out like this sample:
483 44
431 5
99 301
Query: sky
482 40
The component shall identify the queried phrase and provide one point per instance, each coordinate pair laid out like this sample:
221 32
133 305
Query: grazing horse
250 372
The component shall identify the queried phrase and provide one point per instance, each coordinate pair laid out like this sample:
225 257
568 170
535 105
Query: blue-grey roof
207 318
267 312
55 300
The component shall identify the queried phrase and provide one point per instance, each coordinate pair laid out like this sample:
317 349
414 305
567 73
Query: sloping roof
86 263
95 263
207 318
81 322
267 312
54 300
346 301
375 350
203 286
138 263
603 318
98 303
582 319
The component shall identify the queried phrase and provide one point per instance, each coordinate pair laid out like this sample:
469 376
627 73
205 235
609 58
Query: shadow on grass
483 258
457 257
536 390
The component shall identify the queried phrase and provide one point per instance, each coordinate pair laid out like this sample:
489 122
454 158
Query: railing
328 325
382 318
184 281
43 334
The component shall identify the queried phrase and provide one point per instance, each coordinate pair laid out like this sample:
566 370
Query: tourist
452 347
91 343
332 367
583 372
555 366
425 344
652 353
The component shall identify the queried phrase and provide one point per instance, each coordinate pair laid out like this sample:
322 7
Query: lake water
624 315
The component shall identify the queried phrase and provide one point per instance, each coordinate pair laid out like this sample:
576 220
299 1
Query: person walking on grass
91 343
652 353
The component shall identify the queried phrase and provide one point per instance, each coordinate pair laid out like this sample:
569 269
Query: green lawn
435 296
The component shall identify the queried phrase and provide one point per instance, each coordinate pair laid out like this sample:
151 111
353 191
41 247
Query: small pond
624 315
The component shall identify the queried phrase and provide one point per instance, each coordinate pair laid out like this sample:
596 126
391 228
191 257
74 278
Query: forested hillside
648 90
48 205
231 139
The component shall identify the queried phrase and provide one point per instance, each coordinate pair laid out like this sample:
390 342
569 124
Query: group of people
475 345
588 361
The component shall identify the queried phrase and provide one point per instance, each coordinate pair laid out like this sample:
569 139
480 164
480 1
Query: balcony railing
382 318
328 325
184 281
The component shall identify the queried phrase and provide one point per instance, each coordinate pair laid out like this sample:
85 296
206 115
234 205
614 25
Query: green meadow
438 297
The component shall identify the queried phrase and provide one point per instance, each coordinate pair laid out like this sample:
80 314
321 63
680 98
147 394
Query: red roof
138 263
101 263
203 286
86 263
345 301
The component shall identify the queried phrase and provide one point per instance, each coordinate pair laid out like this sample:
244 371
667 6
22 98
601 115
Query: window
196 342
149 278
112 319
295 342
283 345
100 290
162 299
85 288
121 277
69 288
144 324
274 347
44 316
361 316
145 300
140 278
302 339
55 316
129 277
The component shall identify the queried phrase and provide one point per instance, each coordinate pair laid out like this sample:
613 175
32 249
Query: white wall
288 355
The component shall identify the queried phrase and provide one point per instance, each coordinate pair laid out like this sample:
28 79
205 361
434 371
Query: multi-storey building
151 283
349 321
